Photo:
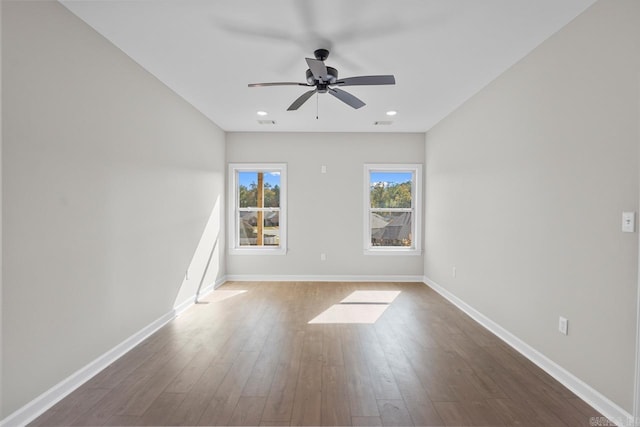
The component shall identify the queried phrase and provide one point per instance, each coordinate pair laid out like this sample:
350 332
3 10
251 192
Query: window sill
256 251
393 251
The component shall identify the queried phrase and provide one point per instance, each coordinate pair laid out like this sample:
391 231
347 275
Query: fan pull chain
317 105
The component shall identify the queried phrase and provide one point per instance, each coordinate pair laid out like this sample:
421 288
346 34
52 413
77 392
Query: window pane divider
391 209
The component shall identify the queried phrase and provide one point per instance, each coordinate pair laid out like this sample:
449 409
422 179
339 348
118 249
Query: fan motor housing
321 54
331 72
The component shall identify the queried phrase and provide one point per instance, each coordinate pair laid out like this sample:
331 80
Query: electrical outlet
563 325
628 222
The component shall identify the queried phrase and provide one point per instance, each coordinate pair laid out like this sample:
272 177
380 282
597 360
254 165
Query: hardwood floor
249 356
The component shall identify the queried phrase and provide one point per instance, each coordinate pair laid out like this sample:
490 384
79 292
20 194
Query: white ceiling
440 51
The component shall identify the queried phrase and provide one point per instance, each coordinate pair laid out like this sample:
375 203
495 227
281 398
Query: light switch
628 222
563 325
323 169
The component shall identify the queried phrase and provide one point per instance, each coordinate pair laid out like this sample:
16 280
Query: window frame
234 210
416 209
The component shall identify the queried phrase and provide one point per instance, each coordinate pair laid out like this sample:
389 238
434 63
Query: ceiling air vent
267 122
382 123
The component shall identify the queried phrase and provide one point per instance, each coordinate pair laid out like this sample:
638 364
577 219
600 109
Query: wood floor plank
481 413
565 410
433 369
394 413
508 412
248 411
307 403
282 393
525 414
335 409
307 408
122 368
453 414
250 357
332 346
262 375
124 420
191 373
416 400
366 421
201 394
160 411
141 397
362 398
382 380
223 404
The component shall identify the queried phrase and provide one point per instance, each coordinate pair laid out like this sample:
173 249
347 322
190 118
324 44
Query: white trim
232 221
392 252
46 400
598 401
321 278
416 209
252 250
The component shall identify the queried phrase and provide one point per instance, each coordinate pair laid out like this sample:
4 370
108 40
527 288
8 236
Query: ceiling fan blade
367 80
318 69
278 84
301 100
347 98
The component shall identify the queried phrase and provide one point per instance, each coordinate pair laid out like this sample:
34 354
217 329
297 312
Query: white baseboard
46 400
321 278
598 401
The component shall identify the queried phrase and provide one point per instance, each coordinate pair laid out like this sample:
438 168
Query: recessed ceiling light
262 113
392 113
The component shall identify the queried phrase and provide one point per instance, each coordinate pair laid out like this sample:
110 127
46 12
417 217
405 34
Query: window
257 212
392 209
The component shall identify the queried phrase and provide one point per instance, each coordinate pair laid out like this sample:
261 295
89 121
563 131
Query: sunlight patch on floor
364 307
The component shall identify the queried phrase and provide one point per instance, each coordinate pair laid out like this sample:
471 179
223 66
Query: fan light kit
325 79
391 113
262 113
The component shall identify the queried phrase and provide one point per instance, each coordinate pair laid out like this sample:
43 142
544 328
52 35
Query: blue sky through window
246 178
389 177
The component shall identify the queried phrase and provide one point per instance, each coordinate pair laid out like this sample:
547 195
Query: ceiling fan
325 79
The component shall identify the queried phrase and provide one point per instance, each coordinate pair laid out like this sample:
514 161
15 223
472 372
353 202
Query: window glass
390 189
257 195
392 209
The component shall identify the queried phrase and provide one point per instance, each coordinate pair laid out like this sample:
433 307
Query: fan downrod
321 54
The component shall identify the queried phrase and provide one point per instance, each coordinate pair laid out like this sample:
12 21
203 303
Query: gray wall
526 184
109 180
325 210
